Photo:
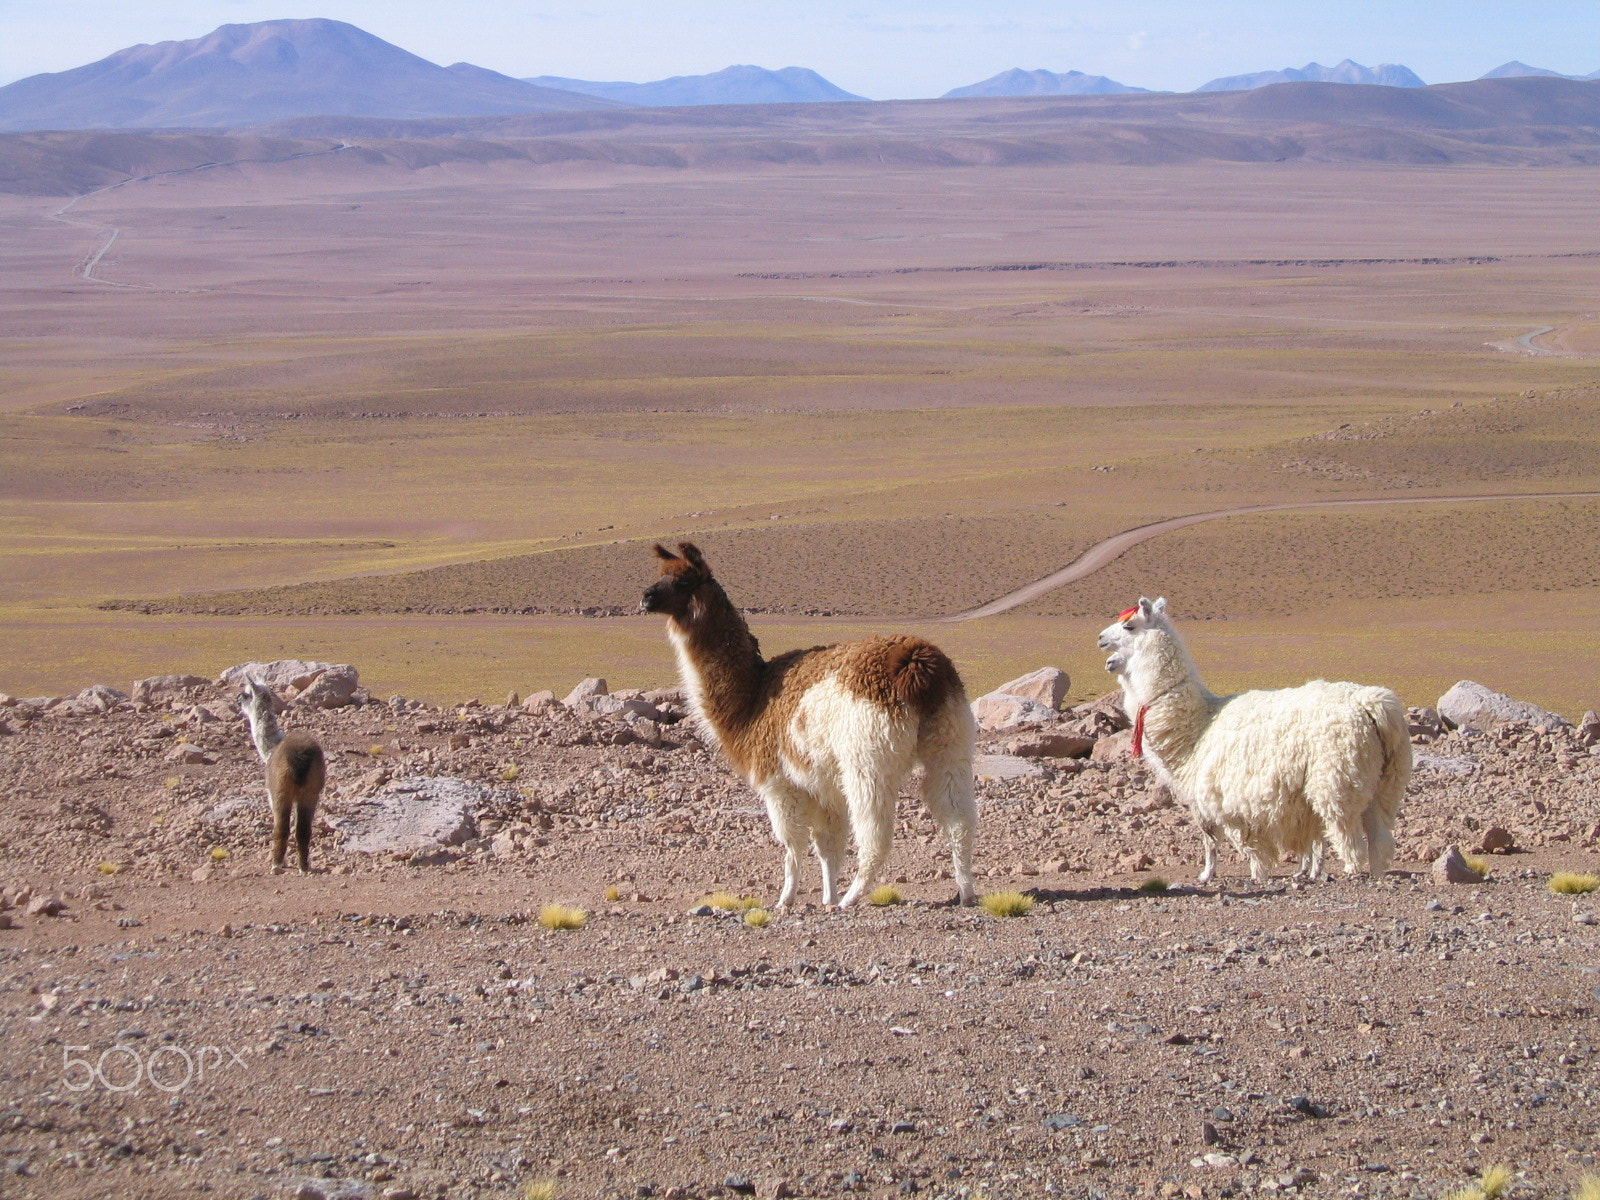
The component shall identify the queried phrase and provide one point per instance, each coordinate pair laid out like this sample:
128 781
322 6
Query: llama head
1123 635
680 591
256 702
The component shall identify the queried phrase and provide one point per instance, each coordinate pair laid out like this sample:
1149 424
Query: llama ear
664 554
692 552
1160 606
1146 609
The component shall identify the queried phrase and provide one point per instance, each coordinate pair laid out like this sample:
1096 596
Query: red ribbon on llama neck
1138 731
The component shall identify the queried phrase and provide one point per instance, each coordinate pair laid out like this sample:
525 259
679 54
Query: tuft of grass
1571 883
562 916
1494 1181
1154 884
109 868
375 750
613 894
1588 1187
219 853
171 782
757 918
1478 862
885 893
1006 904
509 772
729 902
540 1189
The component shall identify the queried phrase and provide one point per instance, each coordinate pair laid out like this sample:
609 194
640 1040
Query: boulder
1106 713
98 698
1451 867
1118 745
1470 705
998 710
539 701
336 687
1497 840
165 689
1052 745
580 696
190 755
617 705
282 676
1423 722
413 815
1005 766
1047 685
1589 728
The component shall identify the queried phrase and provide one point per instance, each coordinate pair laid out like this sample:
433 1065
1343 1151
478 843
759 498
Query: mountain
733 85
1384 75
1519 70
1017 82
267 71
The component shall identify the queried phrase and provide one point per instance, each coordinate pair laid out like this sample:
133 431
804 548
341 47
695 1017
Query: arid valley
420 401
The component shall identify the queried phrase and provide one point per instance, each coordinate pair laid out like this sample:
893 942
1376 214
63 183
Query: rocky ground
177 1021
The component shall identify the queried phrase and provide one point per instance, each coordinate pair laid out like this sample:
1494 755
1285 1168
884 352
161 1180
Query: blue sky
881 50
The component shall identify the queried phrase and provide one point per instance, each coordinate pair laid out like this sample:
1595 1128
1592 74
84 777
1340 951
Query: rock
1062 1121
660 696
307 1191
621 706
200 874
739 1183
1107 707
775 1189
165 689
1497 840
6 922
1451 867
1472 706
1047 686
1136 862
1424 722
1589 728
1118 745
333 688
190 754
1208 1134
1000 711
98 698
580 696
414 815
502 845
539 701
1052 745
1221 1114
1005 766
45 906
7 700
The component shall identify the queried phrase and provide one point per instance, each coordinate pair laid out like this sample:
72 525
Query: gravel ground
188 1024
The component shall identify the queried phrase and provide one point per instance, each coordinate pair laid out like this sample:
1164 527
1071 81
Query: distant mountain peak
1348 71
738 84
1017 82
1521 70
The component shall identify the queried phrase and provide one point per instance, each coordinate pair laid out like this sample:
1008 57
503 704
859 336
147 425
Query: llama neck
720 666
1178 706
264 732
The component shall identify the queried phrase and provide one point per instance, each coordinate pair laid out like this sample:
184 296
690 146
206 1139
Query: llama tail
1378 820
921 675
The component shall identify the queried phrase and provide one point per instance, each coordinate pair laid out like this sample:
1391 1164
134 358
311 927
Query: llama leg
280 831
947 792
871 803
829 837
303 815
1208 871
1380 842
783 810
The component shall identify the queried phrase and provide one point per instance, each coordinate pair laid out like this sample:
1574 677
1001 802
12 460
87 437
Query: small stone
200 874
1216 1159
903 1127
776 1189
1221 1114
1062 1121
740 1184
512 699
44 906
702 910
1451 867
580 696
189 754
399 1193
6 922
1497 840
307 1191
226 931
1208 1134
1118 745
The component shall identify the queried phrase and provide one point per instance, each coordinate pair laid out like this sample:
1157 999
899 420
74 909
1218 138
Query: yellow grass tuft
1571 883
1154 884
562 916
1006 904
540 1189
1494 1181
109 868
219 853
375 750
1588 1187
729 902
757 918
509 772
170 782
884 894
1478 862
613 894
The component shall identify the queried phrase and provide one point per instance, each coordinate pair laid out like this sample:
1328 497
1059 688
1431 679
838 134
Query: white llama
296 771
1272 771
824 735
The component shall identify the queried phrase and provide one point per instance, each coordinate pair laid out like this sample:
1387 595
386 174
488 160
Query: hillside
1383 75
1017 82
732 85
267 71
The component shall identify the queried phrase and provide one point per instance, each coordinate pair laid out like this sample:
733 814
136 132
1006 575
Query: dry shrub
1572 883
1478 863
729 902
613 894
757 918
539 1189
562 916
109 868
1154 884
884 894
219 853
1588 1187
1006 904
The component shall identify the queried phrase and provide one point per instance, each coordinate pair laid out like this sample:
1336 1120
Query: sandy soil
381 1027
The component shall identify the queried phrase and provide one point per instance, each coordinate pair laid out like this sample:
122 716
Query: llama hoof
279 869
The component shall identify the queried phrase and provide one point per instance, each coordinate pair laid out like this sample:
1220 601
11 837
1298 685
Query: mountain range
248 74
732 85
1017 82
1384 75
1519 70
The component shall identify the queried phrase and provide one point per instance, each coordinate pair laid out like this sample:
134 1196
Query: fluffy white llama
1272 771
824 735
296 771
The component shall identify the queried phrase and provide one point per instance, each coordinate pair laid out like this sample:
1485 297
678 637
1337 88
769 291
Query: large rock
1052 745
621 706
1118 745
1451 867
1105 715
1005 766
314 684
580 697
998 710
1589 728
166 689
413 815
98 698
1048 686
1470 705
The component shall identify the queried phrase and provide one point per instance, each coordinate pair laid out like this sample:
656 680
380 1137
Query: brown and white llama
824 735
296 771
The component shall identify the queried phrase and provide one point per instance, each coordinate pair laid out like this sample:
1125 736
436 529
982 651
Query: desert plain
368 401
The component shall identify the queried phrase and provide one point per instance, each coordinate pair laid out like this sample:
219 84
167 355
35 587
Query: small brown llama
296 772
824 735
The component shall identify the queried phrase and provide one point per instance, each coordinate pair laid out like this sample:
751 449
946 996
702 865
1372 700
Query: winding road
1101 553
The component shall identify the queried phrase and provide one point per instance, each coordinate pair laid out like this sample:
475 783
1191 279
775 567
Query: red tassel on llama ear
1128 612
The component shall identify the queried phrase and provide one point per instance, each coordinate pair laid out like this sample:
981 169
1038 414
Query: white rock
1474 706
586 691
999 710
1005 766
412 815
1047 685
98 698
162 689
